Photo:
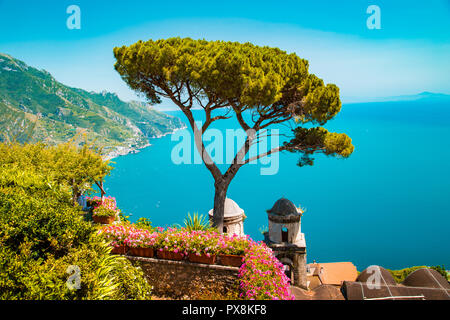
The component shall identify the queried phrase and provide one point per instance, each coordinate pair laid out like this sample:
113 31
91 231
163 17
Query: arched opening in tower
284 235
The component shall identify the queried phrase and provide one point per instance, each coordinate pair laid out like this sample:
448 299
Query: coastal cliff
35 107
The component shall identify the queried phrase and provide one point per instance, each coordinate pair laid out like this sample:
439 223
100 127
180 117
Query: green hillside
36 107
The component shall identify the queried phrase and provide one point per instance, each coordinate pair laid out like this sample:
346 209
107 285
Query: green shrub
103 276
35 212
400 275
42 234
104 212
132 284
144 223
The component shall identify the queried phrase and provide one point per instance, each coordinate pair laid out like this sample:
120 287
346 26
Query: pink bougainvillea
262 276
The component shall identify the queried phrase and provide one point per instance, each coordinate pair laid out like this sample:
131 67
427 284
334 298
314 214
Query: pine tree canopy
272 84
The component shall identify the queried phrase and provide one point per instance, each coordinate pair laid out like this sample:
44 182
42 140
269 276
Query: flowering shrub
172 240
262 276
94 201
232 245
105 208
139 238
116 234
177 240
103 212
202 242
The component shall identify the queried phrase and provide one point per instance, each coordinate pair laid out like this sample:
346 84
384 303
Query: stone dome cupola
233 218
284 222
285 208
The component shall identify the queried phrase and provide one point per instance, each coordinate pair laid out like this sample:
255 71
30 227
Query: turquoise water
388 204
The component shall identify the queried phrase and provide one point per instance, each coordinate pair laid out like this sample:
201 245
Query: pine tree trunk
102 191
219 204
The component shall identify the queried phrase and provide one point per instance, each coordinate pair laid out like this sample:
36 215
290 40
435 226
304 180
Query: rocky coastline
125 150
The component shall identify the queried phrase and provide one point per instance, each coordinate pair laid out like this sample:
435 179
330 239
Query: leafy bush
400 275
42 234
76 168
144 223
35 212
104 208
104 212
131 282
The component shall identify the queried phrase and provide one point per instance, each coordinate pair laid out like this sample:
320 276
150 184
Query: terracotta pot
103 220
142 252
169 255
203 258
119 250
230 260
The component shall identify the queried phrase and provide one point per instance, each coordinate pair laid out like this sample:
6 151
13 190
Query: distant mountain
33 98
421 96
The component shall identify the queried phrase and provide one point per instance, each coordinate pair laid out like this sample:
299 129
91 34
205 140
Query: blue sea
388 204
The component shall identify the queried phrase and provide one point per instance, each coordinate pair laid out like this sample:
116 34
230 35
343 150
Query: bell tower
287 241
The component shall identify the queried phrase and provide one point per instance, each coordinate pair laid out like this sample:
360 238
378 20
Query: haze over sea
388 204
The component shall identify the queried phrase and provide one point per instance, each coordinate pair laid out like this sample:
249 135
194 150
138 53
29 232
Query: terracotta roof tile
336 272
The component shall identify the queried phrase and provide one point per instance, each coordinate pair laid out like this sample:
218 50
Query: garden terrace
186 253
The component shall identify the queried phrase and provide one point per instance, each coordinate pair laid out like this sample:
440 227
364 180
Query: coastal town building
330 273
287 241
233 218
377 283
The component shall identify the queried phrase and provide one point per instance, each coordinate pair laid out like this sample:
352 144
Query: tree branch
209 163
274 150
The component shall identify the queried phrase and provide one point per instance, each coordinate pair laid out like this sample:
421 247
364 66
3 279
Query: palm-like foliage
196 222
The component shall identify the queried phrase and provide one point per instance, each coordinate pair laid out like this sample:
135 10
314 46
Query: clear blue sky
409 54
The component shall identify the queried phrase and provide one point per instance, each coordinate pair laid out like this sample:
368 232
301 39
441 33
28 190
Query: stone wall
186 280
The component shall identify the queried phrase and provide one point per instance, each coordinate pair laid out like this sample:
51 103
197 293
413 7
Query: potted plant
203 247
146 252
117 236
171 244
106 211
141 243
231 251
231 260
120 249
104 215
93 202
205 258
170 255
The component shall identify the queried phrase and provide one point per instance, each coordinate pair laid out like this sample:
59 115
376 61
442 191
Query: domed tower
233 218
286 240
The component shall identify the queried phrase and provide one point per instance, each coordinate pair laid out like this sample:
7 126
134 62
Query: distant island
31 99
